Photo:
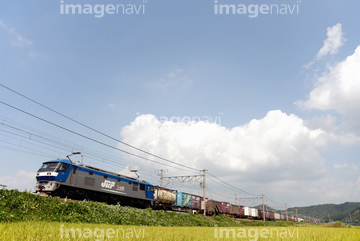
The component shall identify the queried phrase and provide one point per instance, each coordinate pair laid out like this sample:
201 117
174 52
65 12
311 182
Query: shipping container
166 196
234 209
225 207
247 211
215 207
271 216
254 212
183 200
195 202
261 216
242 211
276 216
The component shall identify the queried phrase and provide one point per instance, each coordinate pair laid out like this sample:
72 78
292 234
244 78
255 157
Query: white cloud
346 165
277 147
21 180
333 42
310 192
338 89
331 45
17 40
341 166
178 78
111 106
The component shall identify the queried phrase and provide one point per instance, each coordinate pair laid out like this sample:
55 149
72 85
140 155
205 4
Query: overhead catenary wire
91 139
235 188
62 146
99 132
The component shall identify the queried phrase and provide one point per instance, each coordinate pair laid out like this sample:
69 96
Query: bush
18 206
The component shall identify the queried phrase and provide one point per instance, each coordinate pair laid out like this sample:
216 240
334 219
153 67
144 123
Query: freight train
63 178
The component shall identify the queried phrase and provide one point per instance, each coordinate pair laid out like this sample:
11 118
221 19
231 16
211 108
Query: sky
264 95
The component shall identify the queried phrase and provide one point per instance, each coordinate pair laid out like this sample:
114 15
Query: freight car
183 202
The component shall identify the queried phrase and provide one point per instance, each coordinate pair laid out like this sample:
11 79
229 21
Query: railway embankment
16 206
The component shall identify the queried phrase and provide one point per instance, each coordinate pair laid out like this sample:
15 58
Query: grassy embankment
24 216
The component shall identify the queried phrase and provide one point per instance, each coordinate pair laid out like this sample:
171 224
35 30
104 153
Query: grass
75 231
18 206
24 216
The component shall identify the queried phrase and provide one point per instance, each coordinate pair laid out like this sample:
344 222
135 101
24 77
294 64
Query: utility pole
3 186
204 186
297 218
263 207
287 219
161 175
235 200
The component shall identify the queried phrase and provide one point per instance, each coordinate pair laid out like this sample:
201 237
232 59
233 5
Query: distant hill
352 217
324 210
337 212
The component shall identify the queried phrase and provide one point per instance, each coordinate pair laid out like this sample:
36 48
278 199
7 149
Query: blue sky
272 98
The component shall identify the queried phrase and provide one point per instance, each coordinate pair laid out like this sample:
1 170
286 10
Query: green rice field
77 231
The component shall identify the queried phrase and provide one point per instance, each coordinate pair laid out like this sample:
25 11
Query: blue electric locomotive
77 181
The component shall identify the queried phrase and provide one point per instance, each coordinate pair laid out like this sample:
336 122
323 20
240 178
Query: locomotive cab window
63 167
54 167
142 187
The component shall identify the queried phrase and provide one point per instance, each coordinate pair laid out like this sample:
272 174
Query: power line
232 186
273 201
91 139
99 132
32 137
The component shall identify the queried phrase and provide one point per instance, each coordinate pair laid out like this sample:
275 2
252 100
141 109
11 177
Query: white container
247 211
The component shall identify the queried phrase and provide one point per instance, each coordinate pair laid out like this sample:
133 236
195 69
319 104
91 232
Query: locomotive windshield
53 167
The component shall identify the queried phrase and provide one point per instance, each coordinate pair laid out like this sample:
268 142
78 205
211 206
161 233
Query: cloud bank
277 147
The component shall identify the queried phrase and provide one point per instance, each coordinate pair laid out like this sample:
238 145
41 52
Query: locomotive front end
51 175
